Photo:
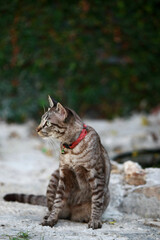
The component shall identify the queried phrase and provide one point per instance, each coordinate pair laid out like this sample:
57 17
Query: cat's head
54 121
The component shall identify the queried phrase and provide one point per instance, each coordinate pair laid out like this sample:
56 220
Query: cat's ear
51 103
61 111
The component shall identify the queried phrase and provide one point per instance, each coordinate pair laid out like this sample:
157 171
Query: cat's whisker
54 145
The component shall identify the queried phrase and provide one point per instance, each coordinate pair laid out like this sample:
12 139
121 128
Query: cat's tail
26 198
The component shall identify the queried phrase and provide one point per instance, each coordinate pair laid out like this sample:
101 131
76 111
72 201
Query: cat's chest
69 160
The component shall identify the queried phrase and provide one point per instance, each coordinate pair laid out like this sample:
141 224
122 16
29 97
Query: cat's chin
43 136
46 137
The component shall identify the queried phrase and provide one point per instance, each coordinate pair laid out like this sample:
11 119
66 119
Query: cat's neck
73 132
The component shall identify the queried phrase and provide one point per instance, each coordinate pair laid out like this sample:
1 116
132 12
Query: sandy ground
26 164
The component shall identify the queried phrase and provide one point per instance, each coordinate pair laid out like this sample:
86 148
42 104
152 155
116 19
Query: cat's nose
38 129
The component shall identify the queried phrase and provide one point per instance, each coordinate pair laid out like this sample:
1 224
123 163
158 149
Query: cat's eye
48 124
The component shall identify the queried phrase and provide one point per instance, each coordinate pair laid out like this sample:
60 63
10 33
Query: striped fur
78 190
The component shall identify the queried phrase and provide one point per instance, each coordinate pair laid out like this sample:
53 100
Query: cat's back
99 156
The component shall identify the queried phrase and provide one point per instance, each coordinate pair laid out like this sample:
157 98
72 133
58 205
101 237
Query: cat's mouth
43 134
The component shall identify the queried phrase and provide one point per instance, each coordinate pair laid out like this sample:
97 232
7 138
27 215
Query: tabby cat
78 190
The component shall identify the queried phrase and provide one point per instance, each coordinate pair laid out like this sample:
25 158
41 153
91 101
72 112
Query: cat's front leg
97 200
52 189
57 206
51 193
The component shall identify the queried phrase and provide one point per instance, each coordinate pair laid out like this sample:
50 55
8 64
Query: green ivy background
99 57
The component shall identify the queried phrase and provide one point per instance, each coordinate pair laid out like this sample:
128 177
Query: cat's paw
95 223
49 222
46 216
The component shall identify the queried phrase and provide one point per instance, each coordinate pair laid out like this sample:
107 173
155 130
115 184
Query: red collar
75 143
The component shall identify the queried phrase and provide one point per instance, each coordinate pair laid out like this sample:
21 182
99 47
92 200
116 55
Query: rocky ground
26 163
